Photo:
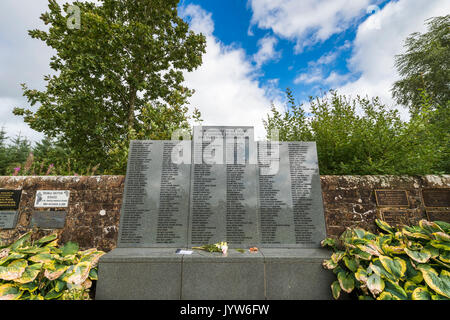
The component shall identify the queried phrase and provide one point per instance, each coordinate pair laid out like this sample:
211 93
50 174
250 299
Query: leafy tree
118 75
14 153
425 66
362 136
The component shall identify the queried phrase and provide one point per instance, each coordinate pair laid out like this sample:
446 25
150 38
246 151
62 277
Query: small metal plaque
9 199
436 198
8 219
438 216
48 219
52 199
392 198
396 218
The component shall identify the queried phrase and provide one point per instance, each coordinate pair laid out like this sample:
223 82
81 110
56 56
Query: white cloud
307 21
380 38
22 60
227 90
316 74
266 51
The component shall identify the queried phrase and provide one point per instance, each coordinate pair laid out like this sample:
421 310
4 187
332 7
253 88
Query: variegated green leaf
14 270
430 227
33 250
385 296
383 225
361 254
443 225
30 286
442 236
93 274
416 235
346 281
410 286
360 233
412 274
375 284
48 238
23 239
10 257
445 256
438 297
328 242
36 297
440 244
419 256
9 291
396 266
329 264
361 275
41 257
56 272
31 272
337 256
351 263
80 273
395 290
434 252
52 245
441 285
69 248
336 289
60 286
421 293
52 294
370 248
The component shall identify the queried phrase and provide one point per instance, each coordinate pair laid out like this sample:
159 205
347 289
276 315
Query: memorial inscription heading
10 199
222 186
52 199
392 198
436 198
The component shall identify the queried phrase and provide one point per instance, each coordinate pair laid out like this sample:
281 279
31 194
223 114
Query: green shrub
38 270
411 263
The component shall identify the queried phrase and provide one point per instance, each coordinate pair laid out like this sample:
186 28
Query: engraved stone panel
434 215
391 198
399 217
223 186
48 219
436 198
9 199
8 219
156 197
291 207
52 199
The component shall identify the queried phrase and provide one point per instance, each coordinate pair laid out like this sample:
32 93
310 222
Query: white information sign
52 199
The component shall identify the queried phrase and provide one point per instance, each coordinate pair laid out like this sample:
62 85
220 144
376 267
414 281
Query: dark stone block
238 276
297 274
139 274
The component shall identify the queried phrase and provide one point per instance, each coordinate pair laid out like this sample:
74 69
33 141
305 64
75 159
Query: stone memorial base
160 273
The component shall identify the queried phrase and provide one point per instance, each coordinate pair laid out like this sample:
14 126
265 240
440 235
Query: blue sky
255 50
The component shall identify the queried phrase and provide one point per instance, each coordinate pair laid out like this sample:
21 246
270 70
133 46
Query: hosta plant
38 270
397 264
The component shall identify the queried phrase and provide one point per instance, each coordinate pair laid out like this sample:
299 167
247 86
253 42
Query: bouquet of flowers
218 247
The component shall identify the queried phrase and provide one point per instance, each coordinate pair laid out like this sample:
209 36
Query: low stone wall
93 214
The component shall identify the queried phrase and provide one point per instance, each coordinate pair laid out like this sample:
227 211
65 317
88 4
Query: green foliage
411 263
425 66
121 72
40 270
362 136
